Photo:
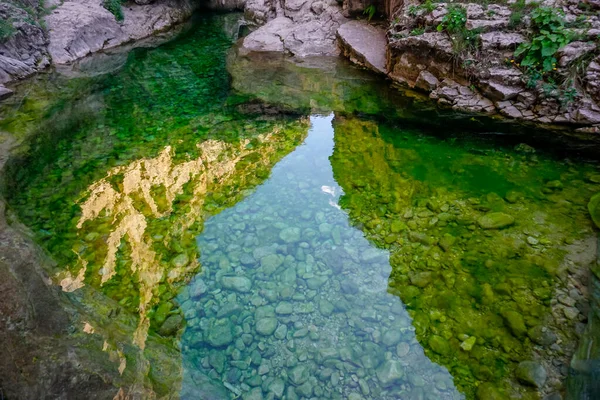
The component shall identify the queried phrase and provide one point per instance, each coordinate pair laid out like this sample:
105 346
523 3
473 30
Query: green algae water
293 230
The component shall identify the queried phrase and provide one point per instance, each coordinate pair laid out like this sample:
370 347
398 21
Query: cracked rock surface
301 28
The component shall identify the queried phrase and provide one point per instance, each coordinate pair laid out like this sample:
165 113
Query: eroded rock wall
488 80
24 51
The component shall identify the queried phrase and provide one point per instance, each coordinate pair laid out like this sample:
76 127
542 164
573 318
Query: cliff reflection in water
140 221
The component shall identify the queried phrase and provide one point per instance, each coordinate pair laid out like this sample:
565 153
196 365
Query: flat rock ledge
364 44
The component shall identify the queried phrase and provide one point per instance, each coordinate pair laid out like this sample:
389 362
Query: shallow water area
294 294
252 226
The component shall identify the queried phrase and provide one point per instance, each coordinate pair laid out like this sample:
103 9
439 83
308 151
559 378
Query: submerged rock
515 322
531 373
439 345
220 333
299 374
390 373
495 220
237 283
266 326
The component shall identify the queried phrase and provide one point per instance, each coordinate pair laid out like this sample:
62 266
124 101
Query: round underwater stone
266 326
391 337
531 373
515 323
290 235
220 333
439 345
237 283
495 220
299 374
284 308
277 387
253 394
390 373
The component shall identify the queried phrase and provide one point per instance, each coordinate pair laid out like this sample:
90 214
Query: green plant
370 12
519 9
114 6
417 31
533 77
455 24
455 19
6 29
413 10
569 96
428 6
550 35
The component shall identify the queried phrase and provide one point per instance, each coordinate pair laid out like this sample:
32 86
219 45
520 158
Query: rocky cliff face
76 28
485 77
23 51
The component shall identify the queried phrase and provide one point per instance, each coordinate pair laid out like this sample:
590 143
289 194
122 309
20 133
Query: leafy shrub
519 9
455 24
417 32
370 12
6 29
427 7
549 36
455 20
114 6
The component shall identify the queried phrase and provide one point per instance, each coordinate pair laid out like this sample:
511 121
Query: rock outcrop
298 27
79 28
364 44
24 51
485 79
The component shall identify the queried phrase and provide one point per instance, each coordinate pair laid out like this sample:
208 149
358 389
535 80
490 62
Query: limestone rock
573 51
299 374
297 29
77 29
364 44
426 81
498 40
24 53
499 91
542 335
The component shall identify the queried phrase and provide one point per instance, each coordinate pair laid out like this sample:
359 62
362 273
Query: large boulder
79 28
300 28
